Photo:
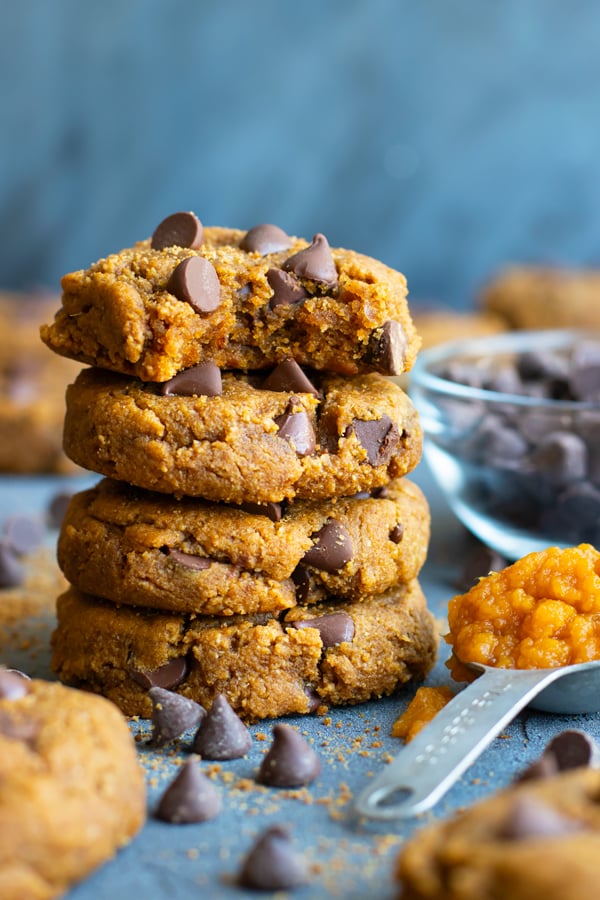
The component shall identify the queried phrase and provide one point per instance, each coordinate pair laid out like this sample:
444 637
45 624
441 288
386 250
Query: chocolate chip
265 239
585 384
24 533
13 684
57 508
272 863
290 761
18 728
287 290
191 797
315 262
480 561
334 628
530 818
296 428
172 714
397 533
189 560
288 376
301 579
168 676
314 701
331 549
182 229
202 381
273 511
572 748
378 437
387 346
222 734
12 573
544 767
561 456
381 493
195 281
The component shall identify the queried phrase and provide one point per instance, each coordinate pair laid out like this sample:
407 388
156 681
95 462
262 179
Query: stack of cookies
254 534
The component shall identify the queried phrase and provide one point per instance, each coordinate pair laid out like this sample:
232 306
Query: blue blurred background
446 137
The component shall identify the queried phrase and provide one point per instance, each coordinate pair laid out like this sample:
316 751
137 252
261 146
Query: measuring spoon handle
430 764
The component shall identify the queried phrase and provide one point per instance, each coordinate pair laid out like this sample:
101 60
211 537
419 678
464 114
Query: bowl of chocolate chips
512 435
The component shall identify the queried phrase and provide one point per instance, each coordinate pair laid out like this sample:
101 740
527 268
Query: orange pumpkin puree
541 612
426 704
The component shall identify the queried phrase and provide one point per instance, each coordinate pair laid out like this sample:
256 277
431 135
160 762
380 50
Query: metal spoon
427 767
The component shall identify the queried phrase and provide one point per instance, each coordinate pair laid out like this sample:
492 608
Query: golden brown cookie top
245 300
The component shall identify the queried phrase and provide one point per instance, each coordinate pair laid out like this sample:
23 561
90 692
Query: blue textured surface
444 138
351 858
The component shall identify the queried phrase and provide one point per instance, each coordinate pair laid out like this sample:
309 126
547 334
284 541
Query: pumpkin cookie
72 791
245 300
235 437
148 549
336 652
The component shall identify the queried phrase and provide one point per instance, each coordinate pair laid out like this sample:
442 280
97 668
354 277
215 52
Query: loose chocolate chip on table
195 281
386 349
12 572
273 511
182 229
296 428
265 239
480 561
168 676
57 508
572 748
202 381
24 533
315 262
290 761
544 767
222 734
191 797
530 818
334 628
189 560
287 290
331 549
288 376
378 437
13 684
172 714
272 864
397 533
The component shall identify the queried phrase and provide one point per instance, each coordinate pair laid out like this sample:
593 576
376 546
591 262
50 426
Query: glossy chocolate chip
201 381
168 676
191 797
24 533
182 229
378 437
272 864
273 511
195 281
13 684
288 376
331 549
397 533
12 572
287 290
199 563
222 734
334 628
301 580
290 761
172 715
573 748
265 239
314 701
297 428
387 346
530 818
314 263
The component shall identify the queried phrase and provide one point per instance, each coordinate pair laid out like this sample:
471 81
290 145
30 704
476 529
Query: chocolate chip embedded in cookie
72 789
255 441
245 300
263 665
539 838
147 549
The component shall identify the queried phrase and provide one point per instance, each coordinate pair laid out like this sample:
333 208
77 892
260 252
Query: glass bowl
512 435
